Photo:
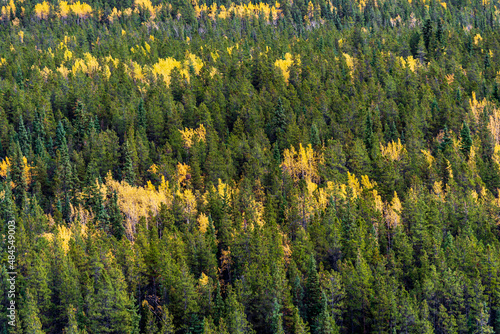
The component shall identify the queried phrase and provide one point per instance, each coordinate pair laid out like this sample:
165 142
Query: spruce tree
31 320
60 140
128 167
314 136
466 140
141 115
314 295
24 139
369 133
116 217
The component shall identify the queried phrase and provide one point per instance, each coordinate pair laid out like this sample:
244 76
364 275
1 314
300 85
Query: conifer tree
72 327
31 320
466 140
314 135
369 133
116 217
128 168
24 140
141 116
314 302
60 140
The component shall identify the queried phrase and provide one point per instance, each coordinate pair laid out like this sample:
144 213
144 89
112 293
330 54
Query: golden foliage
495 156
428 157
392 213
136 202
183 171
394 151
284 65
476 107
42 10
477 39
204 279
189 136
410 63
202 223
82 10
301 164
193 60
4 166
494 125
188 200
165 66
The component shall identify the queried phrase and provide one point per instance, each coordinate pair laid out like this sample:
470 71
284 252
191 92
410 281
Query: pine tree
314 301
314 136
72 327
219 309
24 139
116 217
427 33
279 122
446 140
31 320
128 167
19 178
466 140
369 133
141 116
60 140
167 324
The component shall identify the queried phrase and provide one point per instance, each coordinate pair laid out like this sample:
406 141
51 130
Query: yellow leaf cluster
494 125
193 60
165 66
443 4
477 39
4 166
428 157
8 9
202 222
353 183
63 70
190 136
392 213
136 202
301 164
188 200
147 5
394 151
284 65
89 65
410 63
204 279
42 10
183 171
82 10
3 61
495 157
45 73
350 62
241 11
476 107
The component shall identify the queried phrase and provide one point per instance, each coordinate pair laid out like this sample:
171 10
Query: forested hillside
231 167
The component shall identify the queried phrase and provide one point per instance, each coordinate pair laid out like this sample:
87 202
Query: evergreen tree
116 217
369 133
128 167
24 140
141 116
466 140
31 320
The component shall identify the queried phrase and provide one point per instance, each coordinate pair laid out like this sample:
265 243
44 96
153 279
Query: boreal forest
323 166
